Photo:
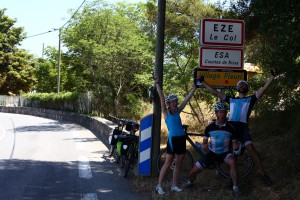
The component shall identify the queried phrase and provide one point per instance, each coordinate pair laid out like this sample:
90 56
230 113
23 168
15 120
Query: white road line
89 196
84 168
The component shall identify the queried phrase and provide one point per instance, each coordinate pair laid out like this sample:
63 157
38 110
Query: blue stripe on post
144 168
145 145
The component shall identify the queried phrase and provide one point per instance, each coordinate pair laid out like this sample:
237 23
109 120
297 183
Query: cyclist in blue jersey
176 145
223 138
240 110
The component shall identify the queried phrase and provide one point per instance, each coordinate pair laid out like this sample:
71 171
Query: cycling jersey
174 125
240 108
220 137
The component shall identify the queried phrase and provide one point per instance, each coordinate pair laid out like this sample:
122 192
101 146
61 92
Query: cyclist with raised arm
176 145
240 109
223 138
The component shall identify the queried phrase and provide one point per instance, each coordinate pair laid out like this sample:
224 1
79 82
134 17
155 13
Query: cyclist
176 145
223 137
240 109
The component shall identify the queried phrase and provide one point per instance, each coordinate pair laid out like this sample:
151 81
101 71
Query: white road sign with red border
222 32
221 58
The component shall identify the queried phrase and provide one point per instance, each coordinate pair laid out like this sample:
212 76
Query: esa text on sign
221 58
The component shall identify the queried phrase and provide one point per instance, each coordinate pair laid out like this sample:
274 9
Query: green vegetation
111 51
69 101
16 65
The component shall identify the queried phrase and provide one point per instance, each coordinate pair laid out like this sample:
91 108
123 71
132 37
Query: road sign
222 32
219 79
221 58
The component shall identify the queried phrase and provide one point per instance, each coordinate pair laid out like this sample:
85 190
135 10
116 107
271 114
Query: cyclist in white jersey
176 145
240 109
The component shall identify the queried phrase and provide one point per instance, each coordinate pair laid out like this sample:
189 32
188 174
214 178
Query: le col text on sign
222 32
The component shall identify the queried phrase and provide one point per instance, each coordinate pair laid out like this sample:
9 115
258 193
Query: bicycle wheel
114 153
129 160
187 165
245 165
121 161
112 150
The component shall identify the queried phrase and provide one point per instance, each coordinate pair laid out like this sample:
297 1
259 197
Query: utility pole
159 60
58 62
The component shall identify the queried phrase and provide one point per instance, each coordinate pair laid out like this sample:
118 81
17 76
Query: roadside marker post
145 143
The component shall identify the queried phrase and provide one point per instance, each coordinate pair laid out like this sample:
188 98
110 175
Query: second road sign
221 58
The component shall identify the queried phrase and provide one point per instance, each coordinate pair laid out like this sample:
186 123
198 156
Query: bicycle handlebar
120 120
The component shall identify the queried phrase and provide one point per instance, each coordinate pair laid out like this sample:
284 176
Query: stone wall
99 126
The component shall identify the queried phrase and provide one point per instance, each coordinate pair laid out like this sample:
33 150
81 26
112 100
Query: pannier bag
122 148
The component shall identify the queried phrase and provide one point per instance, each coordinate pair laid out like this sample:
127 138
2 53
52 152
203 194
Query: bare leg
178 164
231 161
194 171
254 154
169 160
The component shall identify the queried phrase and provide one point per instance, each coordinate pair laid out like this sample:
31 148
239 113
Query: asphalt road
46 159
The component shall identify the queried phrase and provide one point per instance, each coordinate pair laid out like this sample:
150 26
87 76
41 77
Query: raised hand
200 78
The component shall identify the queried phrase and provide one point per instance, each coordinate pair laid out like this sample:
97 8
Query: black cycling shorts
179 145
243 132
212 158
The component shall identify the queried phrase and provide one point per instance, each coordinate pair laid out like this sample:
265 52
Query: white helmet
245 82
171 97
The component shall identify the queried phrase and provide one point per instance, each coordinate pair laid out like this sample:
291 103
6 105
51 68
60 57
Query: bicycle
131 154
126 144
245 162
113 137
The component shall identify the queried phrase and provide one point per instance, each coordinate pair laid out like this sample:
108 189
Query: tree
46 72
273 39
107 45
16 65
182 45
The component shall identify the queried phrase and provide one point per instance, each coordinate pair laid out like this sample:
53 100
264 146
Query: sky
40 16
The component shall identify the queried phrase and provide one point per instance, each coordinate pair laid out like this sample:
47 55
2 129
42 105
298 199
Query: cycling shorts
243 132
179 145
212 158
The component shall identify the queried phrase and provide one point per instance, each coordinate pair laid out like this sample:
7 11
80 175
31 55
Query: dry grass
277 141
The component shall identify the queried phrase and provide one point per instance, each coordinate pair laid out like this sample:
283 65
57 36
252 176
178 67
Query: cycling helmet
220 106
171 97
243 81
